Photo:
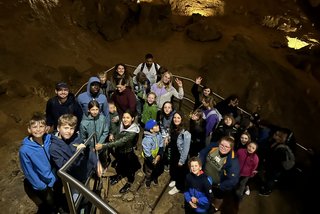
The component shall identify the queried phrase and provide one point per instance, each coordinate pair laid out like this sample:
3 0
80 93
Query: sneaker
172 184
148 184
125 188
115 179
247 192
155 181
174 191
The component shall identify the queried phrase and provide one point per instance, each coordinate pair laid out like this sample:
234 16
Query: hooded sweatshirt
35 163
55 109
85 97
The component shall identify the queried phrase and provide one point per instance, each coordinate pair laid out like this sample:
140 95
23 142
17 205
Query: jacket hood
149 134
91 80
31 144
133 128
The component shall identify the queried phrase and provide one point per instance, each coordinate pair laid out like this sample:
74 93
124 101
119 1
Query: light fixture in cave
297 44
190 7
205 7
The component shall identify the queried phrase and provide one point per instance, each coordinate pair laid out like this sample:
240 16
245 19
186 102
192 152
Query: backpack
213 112
157 70
289 162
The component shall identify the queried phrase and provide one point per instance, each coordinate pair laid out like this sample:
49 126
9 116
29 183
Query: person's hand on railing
179 82
80 146
198 80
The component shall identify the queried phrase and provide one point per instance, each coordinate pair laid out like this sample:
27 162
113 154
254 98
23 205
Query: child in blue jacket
152 146
35 163
198 194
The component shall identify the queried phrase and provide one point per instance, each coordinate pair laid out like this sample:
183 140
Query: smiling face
95 88
251 147
62 93
244 139
166 78
195 167
151 98
206 92
177 119
37 129
224 147
127 120
121 70
227 121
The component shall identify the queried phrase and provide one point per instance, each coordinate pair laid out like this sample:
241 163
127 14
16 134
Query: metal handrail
190 100
85 191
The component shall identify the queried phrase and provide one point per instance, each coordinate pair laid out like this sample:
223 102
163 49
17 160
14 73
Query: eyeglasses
224 146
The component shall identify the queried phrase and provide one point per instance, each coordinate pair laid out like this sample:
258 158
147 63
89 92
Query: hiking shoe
247 192
174 191
148 184
125 188
172 184
114 179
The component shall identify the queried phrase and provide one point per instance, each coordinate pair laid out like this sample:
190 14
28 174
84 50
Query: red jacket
124 101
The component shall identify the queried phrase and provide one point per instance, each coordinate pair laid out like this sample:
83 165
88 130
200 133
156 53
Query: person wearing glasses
220 162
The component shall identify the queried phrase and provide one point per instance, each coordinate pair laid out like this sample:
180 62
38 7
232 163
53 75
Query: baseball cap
150 124
61 85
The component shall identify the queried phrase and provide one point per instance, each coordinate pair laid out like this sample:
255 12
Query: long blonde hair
160 84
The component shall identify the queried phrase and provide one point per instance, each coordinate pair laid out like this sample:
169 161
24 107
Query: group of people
218 155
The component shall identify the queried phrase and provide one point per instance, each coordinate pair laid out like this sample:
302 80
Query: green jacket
126 139
149 112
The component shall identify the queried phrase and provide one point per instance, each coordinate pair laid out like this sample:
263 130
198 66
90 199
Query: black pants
44 199
151 171
128 164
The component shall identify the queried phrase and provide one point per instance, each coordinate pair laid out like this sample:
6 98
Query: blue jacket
200 188
61 151
230 172
183 144
149 143
85 97
35 163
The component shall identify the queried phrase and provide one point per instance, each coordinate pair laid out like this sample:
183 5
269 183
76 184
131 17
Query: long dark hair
116 75
181 126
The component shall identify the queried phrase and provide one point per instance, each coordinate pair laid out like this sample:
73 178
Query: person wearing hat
152 150
63 102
